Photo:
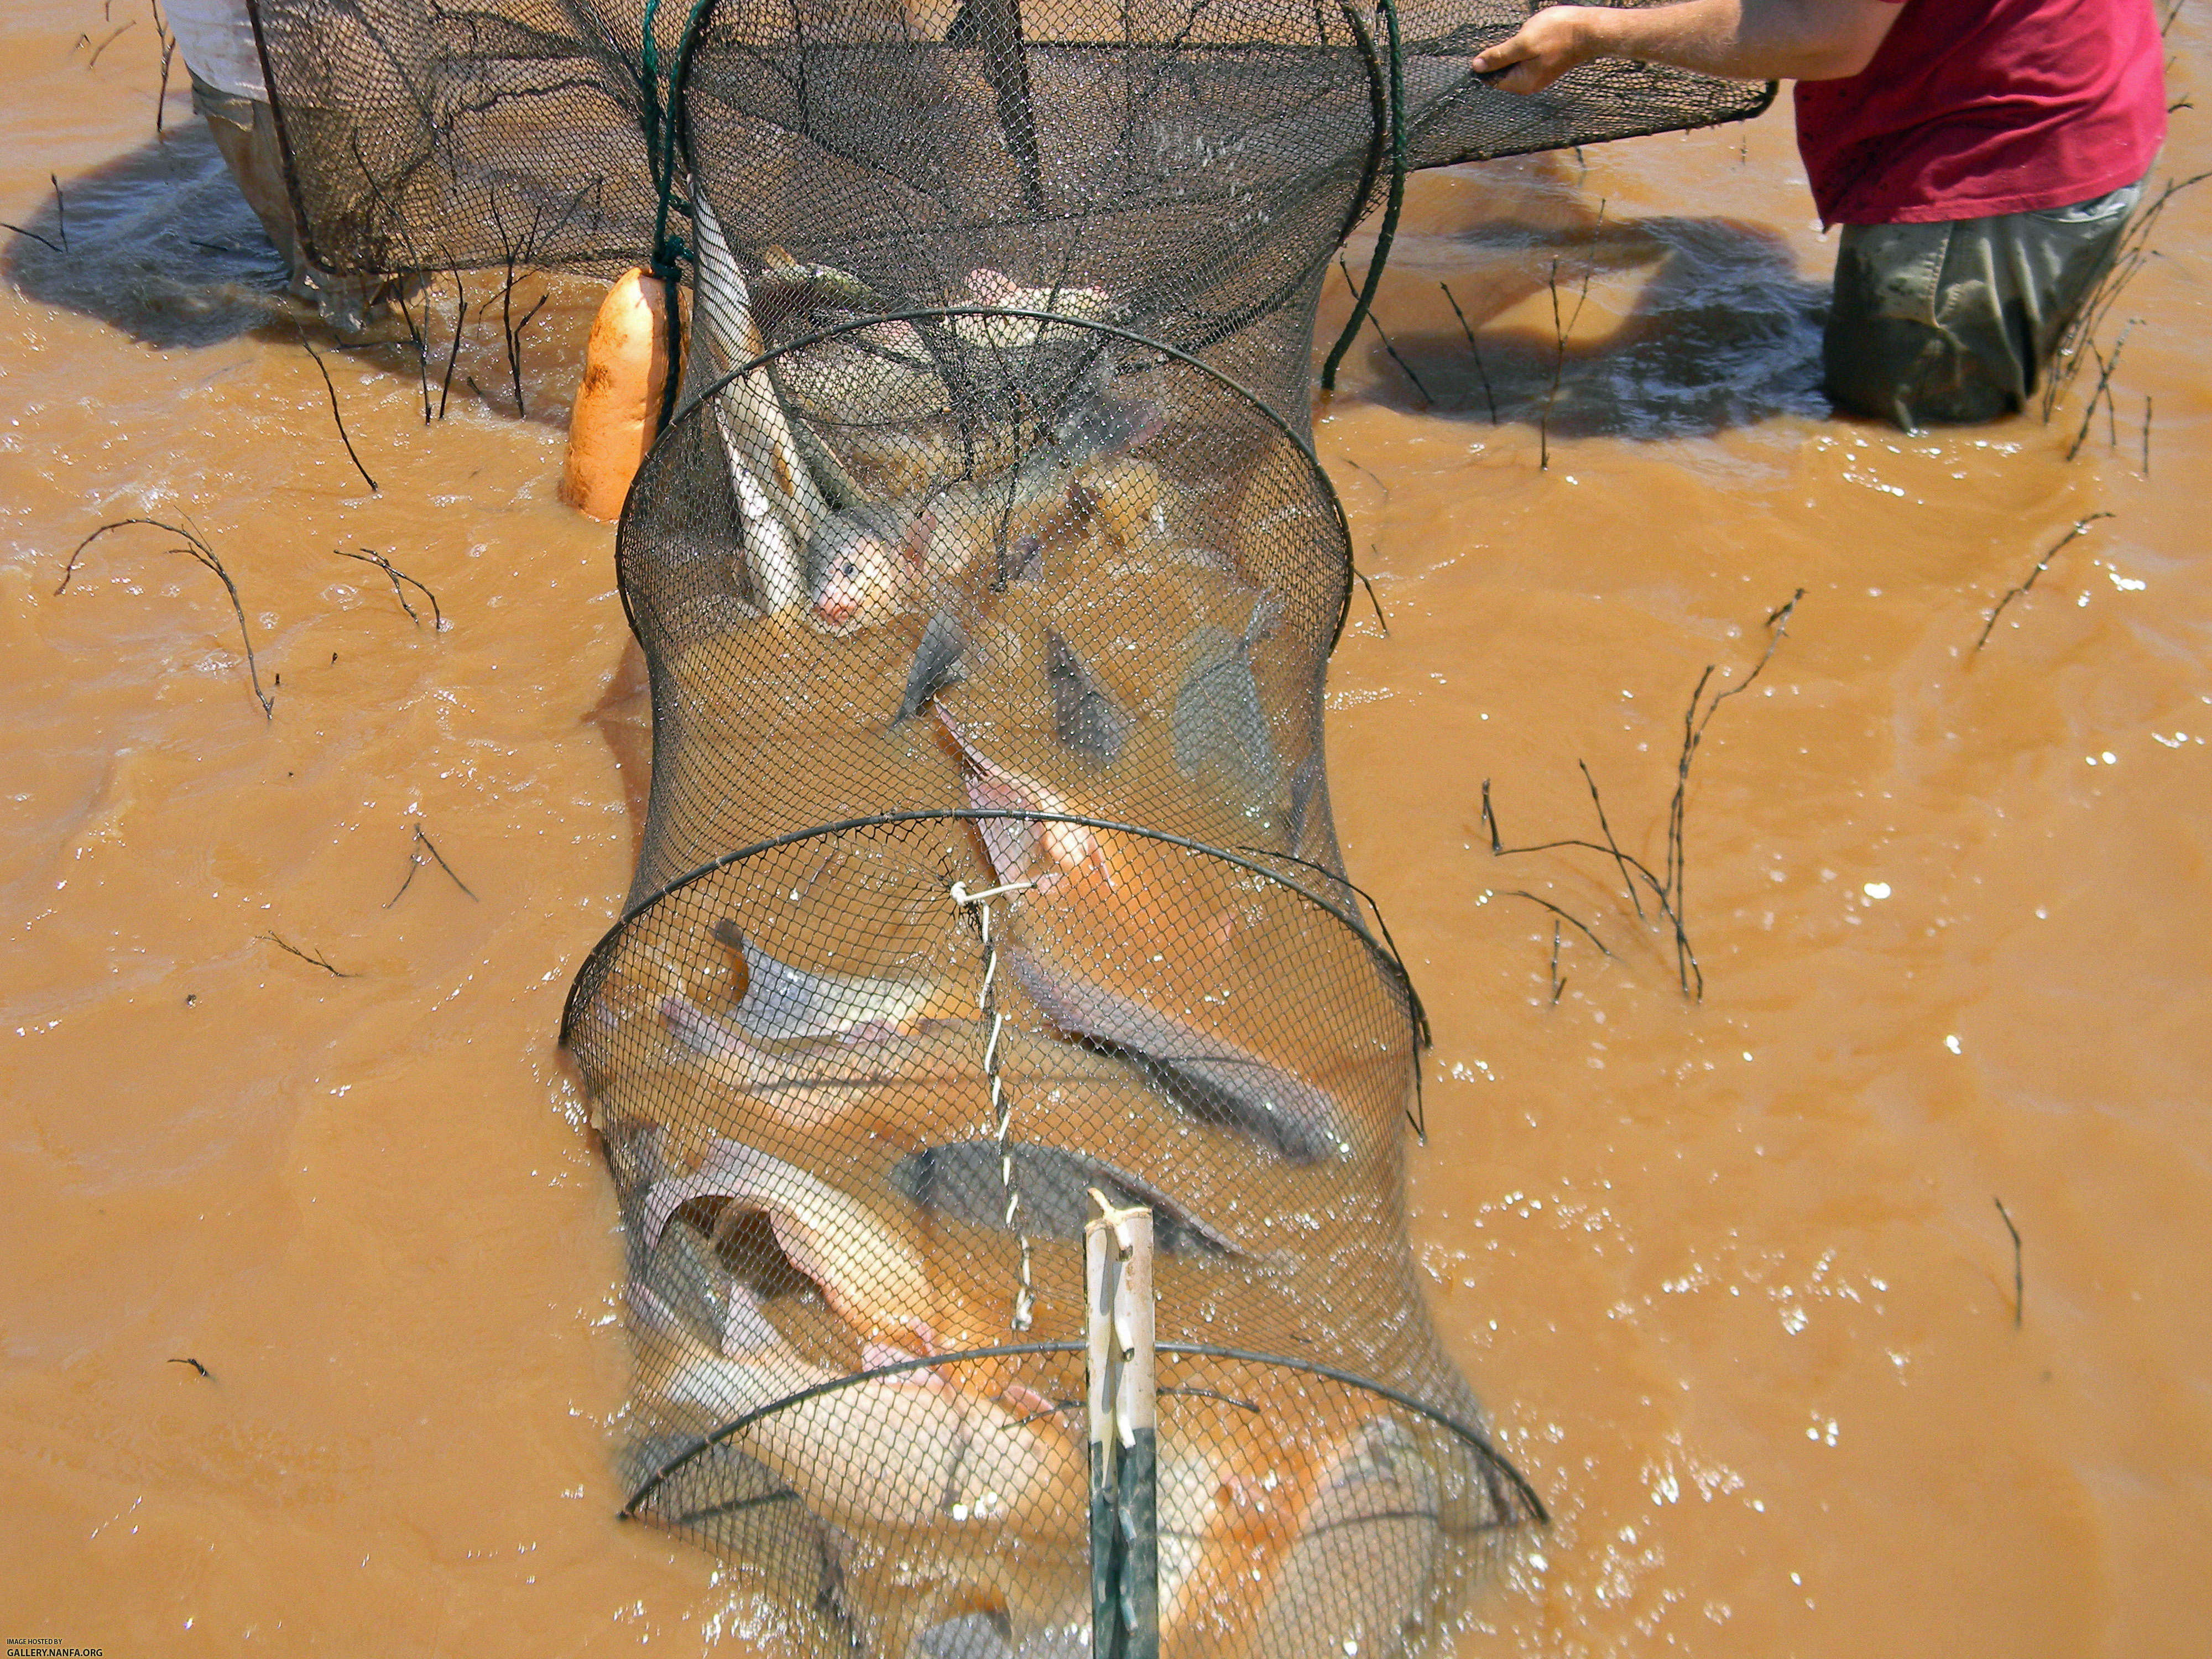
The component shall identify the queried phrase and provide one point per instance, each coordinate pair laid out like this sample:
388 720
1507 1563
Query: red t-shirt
1976 108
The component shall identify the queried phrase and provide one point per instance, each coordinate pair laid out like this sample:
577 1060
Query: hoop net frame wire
1524 1494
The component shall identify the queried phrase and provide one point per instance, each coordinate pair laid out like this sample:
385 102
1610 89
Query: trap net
1005 877
987 580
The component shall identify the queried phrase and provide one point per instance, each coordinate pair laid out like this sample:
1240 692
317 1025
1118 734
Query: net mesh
987 580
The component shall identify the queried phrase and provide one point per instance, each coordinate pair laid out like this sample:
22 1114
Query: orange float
617 410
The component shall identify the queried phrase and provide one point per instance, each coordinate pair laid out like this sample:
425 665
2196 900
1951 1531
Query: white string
1002 1109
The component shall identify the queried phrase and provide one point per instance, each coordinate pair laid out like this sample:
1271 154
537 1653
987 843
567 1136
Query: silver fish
777 498
967 1182
693 1285
783 1004
1212 1079
866 565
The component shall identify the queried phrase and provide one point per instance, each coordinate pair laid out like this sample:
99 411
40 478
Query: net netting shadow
986 579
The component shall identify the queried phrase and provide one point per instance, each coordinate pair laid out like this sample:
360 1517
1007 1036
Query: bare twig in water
306 955
168 54
1559 350
1558 985
330 387
453 352
1544 421
370 555
1559 915
2128 258
2018 1275
2103 389
1605 829
1488 397
1404 366
1667 890
431 847
194 1364
21 230
1381 620
61 209
2041 565
416 861
94 60
2146 447
516 256
514 349
1642 871
197 550
421 346
1354 461
1693 734
1558 363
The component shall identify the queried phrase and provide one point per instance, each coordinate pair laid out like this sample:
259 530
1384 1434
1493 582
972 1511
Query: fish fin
1104 425
914 545
1218 718
1011 842
876 1355
1095 858
936 664
1023 559
783 1004
992 288
1084 716
1027 1401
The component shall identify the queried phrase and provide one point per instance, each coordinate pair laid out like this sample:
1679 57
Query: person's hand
1553 41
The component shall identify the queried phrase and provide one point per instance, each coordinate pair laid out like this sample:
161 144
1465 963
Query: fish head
862 566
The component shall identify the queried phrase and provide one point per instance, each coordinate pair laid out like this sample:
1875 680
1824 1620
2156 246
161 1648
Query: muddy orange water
1731 1274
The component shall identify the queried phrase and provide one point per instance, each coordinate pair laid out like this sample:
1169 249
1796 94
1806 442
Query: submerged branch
2041 565
198 550
1667 892
306 955
370 555
330 387
2019 1274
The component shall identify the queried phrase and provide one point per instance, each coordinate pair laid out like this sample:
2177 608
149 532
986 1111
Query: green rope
663 130
1392 114
664 125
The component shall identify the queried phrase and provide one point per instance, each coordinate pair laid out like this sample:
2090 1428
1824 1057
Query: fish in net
986 579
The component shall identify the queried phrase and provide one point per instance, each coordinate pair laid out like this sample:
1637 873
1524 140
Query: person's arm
1743 39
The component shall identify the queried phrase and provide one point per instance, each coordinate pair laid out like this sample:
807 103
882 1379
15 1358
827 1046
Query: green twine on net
664 122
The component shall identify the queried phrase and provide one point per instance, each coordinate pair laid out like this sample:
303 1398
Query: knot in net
986 579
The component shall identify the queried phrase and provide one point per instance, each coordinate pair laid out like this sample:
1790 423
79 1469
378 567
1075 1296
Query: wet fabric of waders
245 129
1952 322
